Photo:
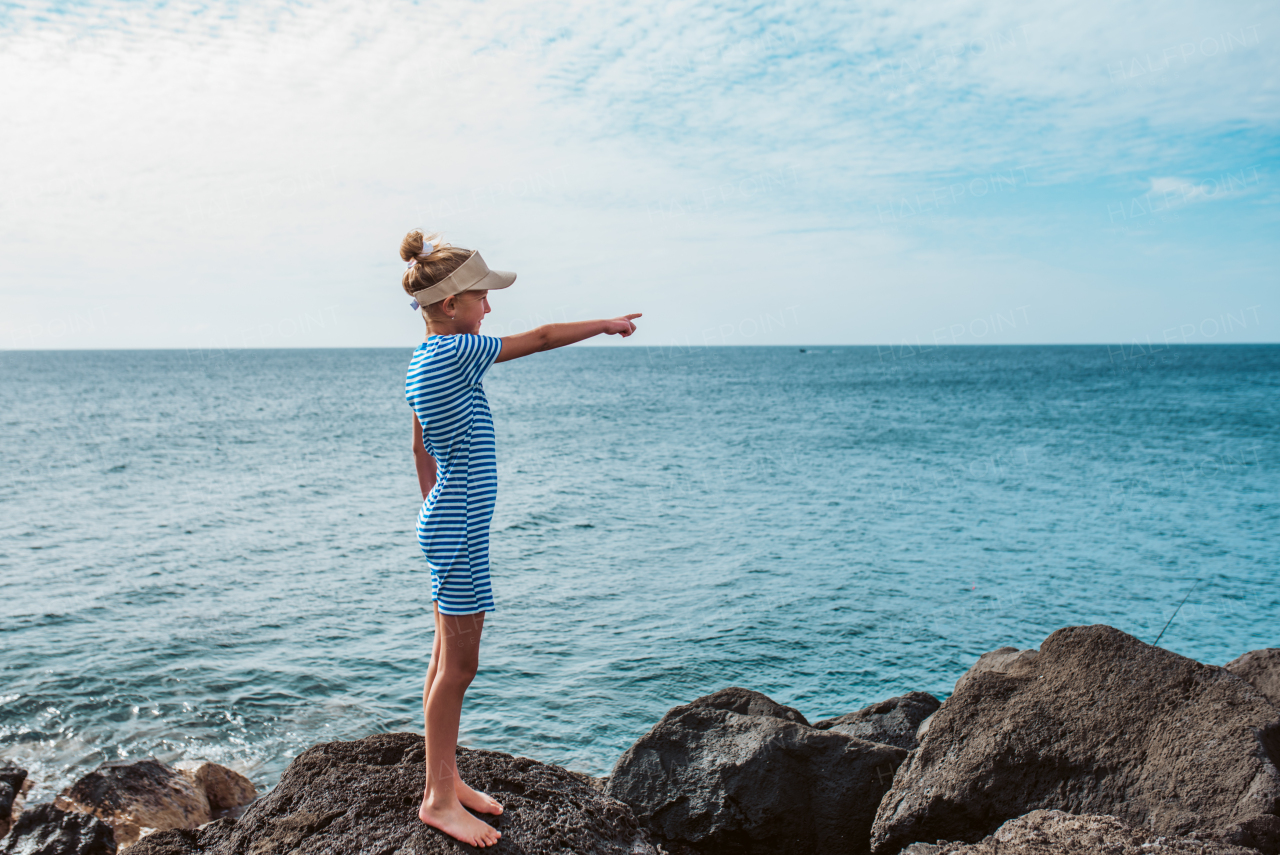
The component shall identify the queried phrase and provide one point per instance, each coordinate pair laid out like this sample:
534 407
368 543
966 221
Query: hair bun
411 246
415 242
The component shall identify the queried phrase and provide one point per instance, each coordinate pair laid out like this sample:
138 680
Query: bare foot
475 800
452 818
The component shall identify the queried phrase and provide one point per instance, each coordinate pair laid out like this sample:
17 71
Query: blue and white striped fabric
443 387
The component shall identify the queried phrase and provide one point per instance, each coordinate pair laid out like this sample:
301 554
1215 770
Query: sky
214 176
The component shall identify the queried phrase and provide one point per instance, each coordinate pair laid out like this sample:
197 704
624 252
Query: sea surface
211 554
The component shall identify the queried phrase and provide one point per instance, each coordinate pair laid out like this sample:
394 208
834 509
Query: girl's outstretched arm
551 336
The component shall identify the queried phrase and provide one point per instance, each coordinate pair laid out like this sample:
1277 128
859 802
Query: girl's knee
458 674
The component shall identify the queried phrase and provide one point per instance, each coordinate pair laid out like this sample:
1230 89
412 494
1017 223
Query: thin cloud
292 144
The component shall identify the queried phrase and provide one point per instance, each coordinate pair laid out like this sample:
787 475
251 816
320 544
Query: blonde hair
432 269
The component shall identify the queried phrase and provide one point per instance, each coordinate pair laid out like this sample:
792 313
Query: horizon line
1149 347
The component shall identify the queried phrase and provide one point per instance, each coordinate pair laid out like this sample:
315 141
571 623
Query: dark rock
46 830
1261 668
893 722
184 841
998 661
13 782
1052 832
597 784
177 841
1262 834
1097 723
224 789
708 778
138 797
747 702
363 796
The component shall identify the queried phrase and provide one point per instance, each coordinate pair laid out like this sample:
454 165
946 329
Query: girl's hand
622 326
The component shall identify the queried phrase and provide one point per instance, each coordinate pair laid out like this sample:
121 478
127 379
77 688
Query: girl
454 452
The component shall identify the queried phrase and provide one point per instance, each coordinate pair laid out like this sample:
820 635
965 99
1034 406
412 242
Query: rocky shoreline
1094 743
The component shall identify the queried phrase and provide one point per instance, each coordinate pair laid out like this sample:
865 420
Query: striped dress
443 387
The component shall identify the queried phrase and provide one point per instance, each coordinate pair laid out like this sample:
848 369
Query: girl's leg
455 667
471 799
431 667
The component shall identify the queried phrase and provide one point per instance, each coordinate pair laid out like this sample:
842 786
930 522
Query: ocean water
212 554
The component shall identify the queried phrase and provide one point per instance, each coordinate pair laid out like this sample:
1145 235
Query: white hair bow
427 248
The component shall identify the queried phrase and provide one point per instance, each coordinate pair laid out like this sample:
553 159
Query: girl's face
471 308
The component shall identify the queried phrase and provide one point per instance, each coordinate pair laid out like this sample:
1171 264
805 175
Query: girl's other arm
422 461
551 336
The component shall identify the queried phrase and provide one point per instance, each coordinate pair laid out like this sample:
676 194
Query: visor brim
495 280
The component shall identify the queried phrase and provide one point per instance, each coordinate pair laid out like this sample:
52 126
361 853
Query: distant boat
802 350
